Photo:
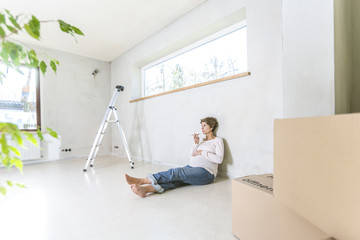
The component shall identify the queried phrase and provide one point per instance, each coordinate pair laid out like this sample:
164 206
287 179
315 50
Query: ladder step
112 121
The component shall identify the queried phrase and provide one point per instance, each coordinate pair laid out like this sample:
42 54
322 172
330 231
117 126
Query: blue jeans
175 177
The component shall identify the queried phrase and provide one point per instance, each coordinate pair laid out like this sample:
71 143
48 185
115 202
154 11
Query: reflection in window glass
222 57
18 97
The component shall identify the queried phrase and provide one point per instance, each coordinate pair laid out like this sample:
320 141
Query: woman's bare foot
138 190
131 180
138 181
142 191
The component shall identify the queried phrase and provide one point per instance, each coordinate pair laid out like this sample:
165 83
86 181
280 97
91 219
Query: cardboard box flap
262 182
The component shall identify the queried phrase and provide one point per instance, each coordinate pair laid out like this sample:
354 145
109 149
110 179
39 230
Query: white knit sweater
212 155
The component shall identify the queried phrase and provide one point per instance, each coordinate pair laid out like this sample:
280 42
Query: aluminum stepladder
100 134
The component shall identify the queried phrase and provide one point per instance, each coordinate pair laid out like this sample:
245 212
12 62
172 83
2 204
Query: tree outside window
221 57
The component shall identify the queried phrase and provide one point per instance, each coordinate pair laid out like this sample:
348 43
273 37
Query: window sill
194 86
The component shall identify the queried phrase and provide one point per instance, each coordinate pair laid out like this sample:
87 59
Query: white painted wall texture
308 40
158 129
73 103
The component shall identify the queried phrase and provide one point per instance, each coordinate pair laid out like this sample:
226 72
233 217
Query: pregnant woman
205 156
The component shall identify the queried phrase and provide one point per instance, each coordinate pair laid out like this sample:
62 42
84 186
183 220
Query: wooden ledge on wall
244 74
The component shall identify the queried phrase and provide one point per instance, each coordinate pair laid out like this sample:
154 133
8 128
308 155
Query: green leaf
18 163
20 185
9 128
9 183
64 26
5 53
12 29
52 133
14 54
14 22
2 18
33 59
6 161
32 53
9 13
35 25
53 66
14 51
77 31
2 32
33 28
30 137
30 32
13 131
39 133
18 139
3 190
43 67
4 145
15 150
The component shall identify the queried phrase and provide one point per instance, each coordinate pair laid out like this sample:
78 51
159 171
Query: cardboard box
317 171
257 215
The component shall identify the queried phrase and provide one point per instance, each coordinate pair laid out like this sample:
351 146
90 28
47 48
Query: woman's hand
196 138
198 152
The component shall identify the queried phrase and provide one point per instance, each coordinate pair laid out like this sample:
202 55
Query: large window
221 55
20 97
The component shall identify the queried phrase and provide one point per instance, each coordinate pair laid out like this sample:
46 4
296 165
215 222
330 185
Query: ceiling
111 27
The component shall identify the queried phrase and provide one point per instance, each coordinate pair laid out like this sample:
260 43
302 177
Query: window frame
38 99
188 48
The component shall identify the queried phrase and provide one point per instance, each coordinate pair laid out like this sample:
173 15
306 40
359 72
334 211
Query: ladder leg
122 134
99 141
96 145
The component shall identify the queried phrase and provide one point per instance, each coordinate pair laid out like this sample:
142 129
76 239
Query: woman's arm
193 149
195 145
217 156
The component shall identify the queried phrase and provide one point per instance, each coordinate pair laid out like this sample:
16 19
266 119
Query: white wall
157 129
308 48
343 56
73 103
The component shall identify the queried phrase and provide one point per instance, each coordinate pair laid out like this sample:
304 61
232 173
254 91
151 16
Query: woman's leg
198 176
170 179
166 180
143 190
171 175
139 190
175 177
172 185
